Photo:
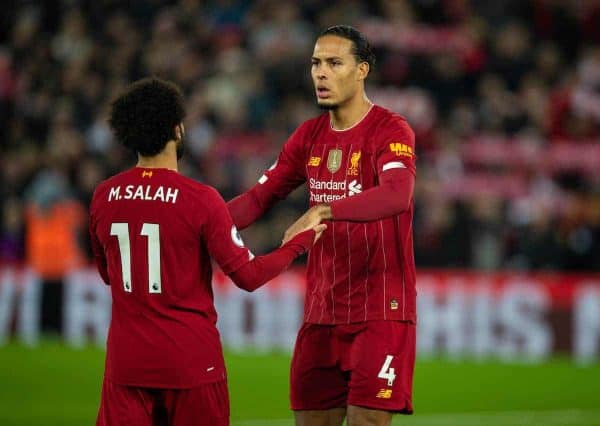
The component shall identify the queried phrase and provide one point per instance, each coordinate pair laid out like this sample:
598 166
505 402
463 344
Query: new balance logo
384 393
314 161
354 188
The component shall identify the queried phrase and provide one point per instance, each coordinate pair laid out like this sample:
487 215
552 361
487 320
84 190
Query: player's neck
348 115
166 159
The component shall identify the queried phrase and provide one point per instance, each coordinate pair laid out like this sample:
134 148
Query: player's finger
319 231
320 228
294 230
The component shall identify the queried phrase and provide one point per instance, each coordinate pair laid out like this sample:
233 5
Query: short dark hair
361 49
144 116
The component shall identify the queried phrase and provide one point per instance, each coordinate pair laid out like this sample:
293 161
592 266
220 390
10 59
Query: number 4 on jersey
387 372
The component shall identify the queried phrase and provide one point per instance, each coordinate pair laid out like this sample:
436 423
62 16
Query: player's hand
308 220
300 225
319 229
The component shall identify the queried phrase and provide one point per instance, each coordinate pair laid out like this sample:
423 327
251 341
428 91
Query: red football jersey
357 271
153 233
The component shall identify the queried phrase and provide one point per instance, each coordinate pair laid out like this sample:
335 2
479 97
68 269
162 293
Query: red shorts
134 406
369 365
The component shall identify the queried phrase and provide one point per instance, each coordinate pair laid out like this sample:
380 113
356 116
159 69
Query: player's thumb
319 230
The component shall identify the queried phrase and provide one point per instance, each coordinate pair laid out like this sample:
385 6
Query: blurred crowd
504 97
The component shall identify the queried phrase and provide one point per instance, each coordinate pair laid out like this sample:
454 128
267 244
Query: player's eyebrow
328 58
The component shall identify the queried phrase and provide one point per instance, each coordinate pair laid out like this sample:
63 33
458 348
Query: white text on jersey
144 192
316 188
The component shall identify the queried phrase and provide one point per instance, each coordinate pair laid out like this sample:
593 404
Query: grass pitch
55 385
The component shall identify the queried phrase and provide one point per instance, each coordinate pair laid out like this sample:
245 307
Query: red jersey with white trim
154 232
357 271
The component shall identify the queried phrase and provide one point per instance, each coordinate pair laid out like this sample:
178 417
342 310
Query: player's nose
319 73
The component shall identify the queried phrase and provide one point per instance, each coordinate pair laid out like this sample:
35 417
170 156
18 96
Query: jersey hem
158 385
412 320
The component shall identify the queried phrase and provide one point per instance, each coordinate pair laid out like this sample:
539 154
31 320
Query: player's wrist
323 211
302 241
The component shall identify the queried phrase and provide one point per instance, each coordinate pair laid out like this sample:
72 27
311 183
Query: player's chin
326 104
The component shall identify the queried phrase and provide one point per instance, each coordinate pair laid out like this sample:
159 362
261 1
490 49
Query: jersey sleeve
226 247
396 171
263 268
223 241
396 147
392 196
285 175
97 249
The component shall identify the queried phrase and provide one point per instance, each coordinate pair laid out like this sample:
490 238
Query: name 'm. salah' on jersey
357 271
153 233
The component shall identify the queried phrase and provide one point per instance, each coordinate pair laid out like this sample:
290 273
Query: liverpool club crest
354 164
334 160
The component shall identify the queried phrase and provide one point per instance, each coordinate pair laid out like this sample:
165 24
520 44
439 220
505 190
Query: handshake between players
310 220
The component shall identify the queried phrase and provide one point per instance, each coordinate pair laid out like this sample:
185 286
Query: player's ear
363 70
179 131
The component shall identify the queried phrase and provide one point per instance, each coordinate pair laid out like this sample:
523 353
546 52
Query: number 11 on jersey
152 232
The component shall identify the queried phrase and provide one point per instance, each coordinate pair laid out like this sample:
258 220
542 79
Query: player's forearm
264 268
391 197
247 208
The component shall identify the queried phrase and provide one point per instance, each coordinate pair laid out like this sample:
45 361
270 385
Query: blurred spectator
53 222
12 233
487 233
504 97
511 54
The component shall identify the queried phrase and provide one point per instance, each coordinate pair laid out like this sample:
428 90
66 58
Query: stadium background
504 97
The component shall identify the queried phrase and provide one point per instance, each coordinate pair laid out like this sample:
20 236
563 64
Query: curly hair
144 116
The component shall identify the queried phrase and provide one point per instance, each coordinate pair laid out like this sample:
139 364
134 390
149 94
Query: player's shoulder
99 196
109 182
389 120
307 132
204 194
186 181
207 192
390 123
314 125
318 121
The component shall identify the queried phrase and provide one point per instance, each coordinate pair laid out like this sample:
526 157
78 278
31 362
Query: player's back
150 224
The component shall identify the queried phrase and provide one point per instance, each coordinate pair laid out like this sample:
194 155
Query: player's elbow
401 199
246 287
403 204
103 272
244 284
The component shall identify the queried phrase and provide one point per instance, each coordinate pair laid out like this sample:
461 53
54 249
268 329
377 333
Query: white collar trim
355 124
